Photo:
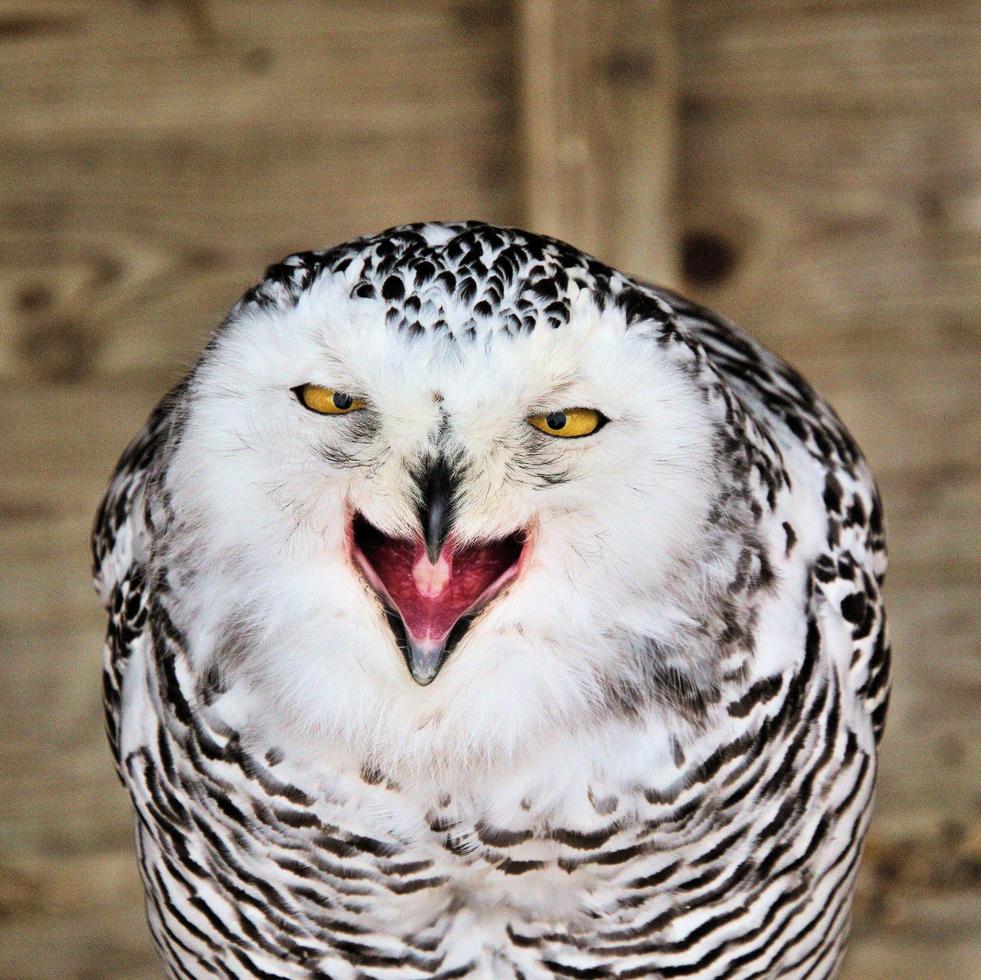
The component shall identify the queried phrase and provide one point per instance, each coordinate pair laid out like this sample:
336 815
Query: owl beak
438 484
431 605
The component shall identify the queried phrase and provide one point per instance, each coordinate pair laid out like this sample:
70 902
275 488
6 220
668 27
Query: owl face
438 542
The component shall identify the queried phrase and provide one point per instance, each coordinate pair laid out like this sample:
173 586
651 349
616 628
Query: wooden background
809 168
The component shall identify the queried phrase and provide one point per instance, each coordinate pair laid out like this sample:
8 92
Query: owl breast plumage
476 610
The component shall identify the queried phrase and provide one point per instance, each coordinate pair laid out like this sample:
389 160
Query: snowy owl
479 611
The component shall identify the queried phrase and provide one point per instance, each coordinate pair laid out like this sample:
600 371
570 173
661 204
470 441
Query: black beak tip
424 664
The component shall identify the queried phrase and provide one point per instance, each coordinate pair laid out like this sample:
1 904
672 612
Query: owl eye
327 401
569 423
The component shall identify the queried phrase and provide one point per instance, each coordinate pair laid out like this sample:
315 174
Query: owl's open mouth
430 605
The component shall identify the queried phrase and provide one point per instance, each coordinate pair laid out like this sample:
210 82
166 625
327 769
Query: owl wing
121 548
847 576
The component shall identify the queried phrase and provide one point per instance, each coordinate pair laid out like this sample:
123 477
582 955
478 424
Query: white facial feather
259 483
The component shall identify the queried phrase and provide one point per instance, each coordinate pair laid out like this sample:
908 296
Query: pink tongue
431 598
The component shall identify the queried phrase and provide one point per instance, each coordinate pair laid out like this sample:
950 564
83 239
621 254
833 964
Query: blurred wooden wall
811 169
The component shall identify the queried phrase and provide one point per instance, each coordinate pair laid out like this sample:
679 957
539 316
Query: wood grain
155 155
598 109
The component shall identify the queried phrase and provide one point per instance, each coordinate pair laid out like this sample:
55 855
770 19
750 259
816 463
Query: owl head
441 492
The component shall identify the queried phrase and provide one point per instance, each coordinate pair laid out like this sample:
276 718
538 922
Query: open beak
431 587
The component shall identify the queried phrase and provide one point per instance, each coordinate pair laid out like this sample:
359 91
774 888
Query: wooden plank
829 56
598 83
114 67
830 169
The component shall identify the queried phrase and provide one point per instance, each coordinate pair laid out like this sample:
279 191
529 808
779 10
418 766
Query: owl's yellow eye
569 423
327 401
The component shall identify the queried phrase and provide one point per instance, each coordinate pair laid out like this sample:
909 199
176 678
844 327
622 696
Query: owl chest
305 872
408 881
353 864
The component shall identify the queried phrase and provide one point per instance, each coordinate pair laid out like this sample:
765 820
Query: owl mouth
431 605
